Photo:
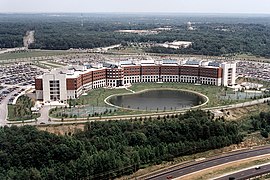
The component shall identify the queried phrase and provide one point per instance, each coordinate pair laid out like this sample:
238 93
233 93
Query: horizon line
114 12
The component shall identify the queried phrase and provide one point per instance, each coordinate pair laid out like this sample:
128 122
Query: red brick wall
99 74
189 71
132 70
71 84
38 84
87 78
150 70
169 70
114 73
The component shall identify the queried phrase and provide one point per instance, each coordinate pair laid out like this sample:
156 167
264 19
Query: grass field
251 57
96 97
13 117
32 54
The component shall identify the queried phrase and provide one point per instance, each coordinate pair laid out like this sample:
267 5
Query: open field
251 58
32 54
127 50
136 50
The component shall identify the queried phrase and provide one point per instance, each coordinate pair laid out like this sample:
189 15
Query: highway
247 173
182 170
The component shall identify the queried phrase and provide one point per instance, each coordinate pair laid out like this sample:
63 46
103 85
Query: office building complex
72 81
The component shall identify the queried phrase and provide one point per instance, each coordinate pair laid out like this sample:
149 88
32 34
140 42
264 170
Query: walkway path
129 90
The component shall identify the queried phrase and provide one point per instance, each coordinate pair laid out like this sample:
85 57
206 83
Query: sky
136 6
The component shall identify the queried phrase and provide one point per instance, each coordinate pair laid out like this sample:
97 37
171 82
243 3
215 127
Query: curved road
182 170
4 106
247 173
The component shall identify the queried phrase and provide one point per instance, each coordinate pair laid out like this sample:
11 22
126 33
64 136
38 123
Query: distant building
189 26
176 44
72 81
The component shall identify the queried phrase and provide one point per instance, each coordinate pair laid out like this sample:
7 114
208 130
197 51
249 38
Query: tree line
215 37
105 150
261 122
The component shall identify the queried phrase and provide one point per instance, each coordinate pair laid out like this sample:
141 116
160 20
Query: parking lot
256 70
21 74
14 80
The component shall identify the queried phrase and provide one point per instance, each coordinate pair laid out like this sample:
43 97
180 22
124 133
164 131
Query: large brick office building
71 81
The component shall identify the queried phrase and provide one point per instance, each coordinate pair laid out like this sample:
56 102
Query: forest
211 35
106 150
261 122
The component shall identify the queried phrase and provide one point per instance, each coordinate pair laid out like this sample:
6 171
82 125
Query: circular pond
158 99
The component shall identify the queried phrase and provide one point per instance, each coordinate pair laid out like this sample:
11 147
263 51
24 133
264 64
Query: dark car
258 167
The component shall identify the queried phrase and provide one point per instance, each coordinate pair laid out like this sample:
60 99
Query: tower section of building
228 73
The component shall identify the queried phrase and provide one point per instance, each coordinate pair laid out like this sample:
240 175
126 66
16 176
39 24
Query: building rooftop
109 65
170 61
214 64
193 62
121 63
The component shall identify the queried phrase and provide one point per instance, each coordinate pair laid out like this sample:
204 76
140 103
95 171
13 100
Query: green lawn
96 97
21 110
32 53
251 57
12 115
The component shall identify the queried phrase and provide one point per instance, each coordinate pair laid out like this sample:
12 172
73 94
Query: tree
264 133
110 149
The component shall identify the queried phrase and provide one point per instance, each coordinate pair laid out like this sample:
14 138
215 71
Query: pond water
160 99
